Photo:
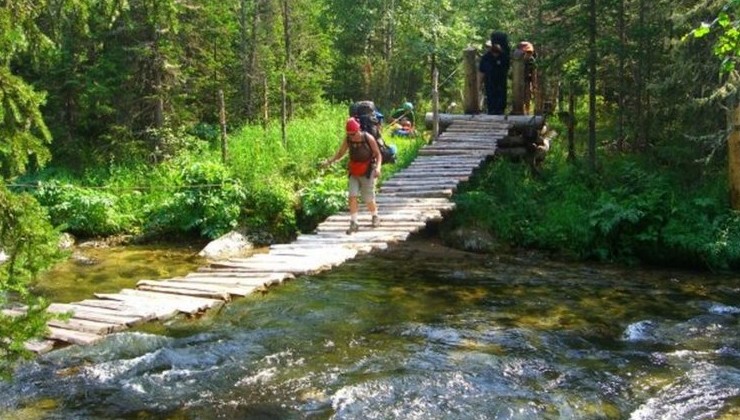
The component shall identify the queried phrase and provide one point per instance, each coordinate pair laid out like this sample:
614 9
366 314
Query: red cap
353 126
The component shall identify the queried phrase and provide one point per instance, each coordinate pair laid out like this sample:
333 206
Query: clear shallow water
110 269
419 332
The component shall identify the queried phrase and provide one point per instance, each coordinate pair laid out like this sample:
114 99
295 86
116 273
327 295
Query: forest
189 118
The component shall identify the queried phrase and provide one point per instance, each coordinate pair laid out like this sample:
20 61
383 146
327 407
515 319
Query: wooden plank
83 325
415 216
418 188
347 252
365 236
307 259
186 292
266 276
39 346
442 193
224 288
73 337
147 314
240 282
245 278
421 181
464 145
158 310
387 224
295 268
469 160
90 314
461 174
447 151
199 303
161 303
360 248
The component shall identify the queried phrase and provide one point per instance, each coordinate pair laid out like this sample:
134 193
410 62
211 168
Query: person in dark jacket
494 72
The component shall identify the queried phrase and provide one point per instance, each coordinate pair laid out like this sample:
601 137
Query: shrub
320 199
83 211
208 203
32 246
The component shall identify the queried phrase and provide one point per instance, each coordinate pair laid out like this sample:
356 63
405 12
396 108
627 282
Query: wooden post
517 83
435 103
265 104
571 124
471 99
284 110
733 152
222 120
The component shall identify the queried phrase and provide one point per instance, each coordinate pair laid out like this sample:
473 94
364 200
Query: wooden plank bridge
407 201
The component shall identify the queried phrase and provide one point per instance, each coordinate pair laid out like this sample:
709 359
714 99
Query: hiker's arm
338 155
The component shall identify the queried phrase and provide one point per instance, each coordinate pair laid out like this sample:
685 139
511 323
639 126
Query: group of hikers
494 72
363 138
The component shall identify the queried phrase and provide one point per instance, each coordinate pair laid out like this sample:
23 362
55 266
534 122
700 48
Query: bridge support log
518 121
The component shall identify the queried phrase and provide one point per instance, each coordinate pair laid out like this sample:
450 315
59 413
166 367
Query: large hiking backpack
367 114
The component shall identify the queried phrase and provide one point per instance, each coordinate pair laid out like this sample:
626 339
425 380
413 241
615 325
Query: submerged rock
471 239
81 259
229 245
66 241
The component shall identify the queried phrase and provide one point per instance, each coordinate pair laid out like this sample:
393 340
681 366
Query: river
419 331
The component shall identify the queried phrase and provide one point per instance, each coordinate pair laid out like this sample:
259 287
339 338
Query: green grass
270 186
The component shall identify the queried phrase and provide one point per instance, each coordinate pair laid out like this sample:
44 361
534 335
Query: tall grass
269 187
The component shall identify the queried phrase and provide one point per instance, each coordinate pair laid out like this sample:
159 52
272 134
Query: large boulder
232 244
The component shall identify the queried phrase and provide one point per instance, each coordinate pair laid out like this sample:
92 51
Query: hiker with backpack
364 165
494 72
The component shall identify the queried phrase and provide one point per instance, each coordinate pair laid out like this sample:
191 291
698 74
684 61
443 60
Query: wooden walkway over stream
407 201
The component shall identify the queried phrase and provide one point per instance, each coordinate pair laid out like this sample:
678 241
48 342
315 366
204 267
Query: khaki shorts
362 185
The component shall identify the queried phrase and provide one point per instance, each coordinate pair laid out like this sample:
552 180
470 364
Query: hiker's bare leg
353 207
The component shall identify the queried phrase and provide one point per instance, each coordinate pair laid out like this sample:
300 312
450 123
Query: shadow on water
419 331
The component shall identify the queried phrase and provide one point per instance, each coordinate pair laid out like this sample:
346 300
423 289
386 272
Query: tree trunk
471 100
435 104
571 124
517 121
621 77
640 82
222 121
517 83
246 57
287 105
733 152
592 86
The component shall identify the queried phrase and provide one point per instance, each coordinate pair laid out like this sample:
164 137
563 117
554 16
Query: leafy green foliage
320 199
22 128
31 245
83 211
271 215
208 203
629 213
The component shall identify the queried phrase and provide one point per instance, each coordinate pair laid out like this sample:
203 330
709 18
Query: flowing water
419 332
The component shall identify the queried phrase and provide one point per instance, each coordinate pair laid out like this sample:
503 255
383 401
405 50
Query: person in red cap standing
364 168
